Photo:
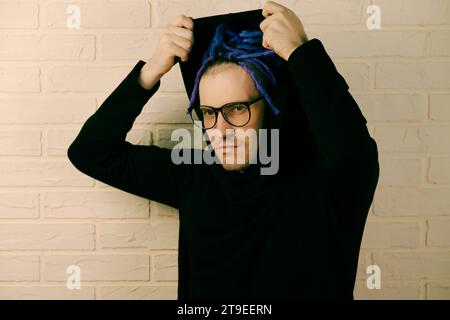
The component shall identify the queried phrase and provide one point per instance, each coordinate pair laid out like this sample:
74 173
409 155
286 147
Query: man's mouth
227 146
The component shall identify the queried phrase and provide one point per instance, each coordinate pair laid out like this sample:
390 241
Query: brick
122 46
390 290
440 107
369 44
47 47
100 14
46 293
413 265
392 107
165 108
398 139
41 173
438 291
399 172
161 210
355 74
19 15
415 13
58 141
386 235
412 75
94 204
364 261
326 13
159 235
166 267
439 43
439 171
137 293
20 142
84 78
438 233
19 268
391 201
19 79
37 236
98 267
42 110
19 205
412 139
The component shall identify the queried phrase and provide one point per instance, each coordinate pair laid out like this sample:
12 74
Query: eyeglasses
235 113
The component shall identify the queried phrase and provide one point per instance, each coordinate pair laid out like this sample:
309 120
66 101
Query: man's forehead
233 89
234 97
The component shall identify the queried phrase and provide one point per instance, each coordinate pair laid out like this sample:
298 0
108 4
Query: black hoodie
293 235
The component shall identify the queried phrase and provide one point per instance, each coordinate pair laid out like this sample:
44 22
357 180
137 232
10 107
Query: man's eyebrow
228 103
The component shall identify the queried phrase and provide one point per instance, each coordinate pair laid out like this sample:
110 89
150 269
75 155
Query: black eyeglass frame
217 110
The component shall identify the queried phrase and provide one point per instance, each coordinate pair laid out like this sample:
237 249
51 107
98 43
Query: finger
183 22
182 32
271 7
265 43
265 12
188 23
179 51
265 23
181 42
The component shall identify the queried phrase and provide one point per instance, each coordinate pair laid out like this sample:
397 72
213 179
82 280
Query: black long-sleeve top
244 235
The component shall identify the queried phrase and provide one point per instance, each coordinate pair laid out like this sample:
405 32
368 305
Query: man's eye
207 112
238 107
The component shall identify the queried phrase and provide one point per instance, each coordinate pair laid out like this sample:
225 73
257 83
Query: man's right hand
176 40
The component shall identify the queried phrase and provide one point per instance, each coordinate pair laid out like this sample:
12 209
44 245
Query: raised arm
101 151
346 150
337 124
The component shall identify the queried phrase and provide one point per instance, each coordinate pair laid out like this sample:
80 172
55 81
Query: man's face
223 84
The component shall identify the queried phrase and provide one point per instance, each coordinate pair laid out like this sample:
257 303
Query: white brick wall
53 78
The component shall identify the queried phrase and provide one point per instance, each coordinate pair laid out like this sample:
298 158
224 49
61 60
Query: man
295 234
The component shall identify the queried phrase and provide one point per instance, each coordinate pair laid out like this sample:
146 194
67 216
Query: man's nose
222 124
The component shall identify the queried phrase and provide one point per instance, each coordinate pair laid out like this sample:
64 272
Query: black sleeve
337 124
101 151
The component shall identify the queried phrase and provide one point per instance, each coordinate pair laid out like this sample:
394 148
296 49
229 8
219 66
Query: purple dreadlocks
246 50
